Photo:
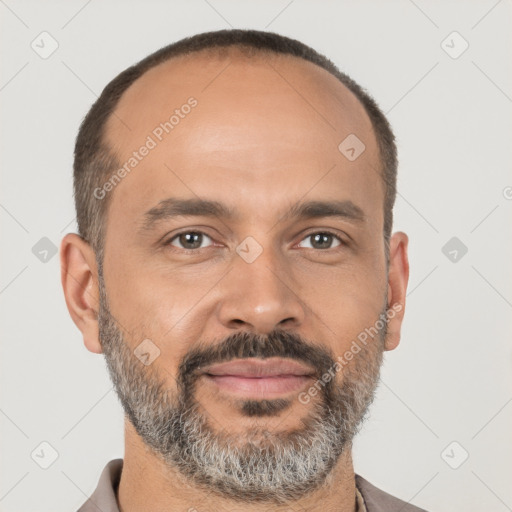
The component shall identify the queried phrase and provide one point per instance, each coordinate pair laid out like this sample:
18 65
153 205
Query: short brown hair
94 162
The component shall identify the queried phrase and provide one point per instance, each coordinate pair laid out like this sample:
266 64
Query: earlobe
79 277
398 278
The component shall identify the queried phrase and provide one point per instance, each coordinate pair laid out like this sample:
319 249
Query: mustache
245 345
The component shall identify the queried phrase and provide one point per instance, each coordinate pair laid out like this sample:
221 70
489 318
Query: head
234 196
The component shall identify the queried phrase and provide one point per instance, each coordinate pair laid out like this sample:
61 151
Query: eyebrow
174 207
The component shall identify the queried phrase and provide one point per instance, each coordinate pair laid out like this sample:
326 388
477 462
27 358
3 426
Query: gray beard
258 465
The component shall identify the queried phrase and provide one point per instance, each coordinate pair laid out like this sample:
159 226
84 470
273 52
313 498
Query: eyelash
342 242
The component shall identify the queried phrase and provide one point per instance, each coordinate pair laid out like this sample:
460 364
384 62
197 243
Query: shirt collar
360 505
104 497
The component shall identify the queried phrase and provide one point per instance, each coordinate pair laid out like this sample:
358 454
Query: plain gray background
446 392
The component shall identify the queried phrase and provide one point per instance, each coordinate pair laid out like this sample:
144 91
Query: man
236 267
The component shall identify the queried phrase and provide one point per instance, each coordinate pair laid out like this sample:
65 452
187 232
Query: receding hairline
246 55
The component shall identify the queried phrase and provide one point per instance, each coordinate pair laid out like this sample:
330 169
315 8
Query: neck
147 483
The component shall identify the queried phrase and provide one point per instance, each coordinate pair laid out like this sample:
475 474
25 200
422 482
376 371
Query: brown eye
189 240
323 240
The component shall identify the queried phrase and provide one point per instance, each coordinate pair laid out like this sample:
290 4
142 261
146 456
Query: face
244 256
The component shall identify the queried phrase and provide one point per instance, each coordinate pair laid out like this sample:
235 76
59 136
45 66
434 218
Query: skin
264 135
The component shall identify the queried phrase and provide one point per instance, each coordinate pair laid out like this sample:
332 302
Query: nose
260 296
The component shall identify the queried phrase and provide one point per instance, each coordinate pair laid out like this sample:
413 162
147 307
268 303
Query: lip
248 368
259 378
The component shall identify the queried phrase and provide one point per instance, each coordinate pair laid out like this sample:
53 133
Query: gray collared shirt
368 497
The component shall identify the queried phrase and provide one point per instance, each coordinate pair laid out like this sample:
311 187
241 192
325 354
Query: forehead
257 122
284 91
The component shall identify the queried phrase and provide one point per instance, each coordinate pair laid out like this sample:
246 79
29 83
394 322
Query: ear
79 277
398 277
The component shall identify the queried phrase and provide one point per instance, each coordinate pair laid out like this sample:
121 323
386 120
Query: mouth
259 378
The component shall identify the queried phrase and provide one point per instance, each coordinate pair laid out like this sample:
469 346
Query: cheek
343 301
165 305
